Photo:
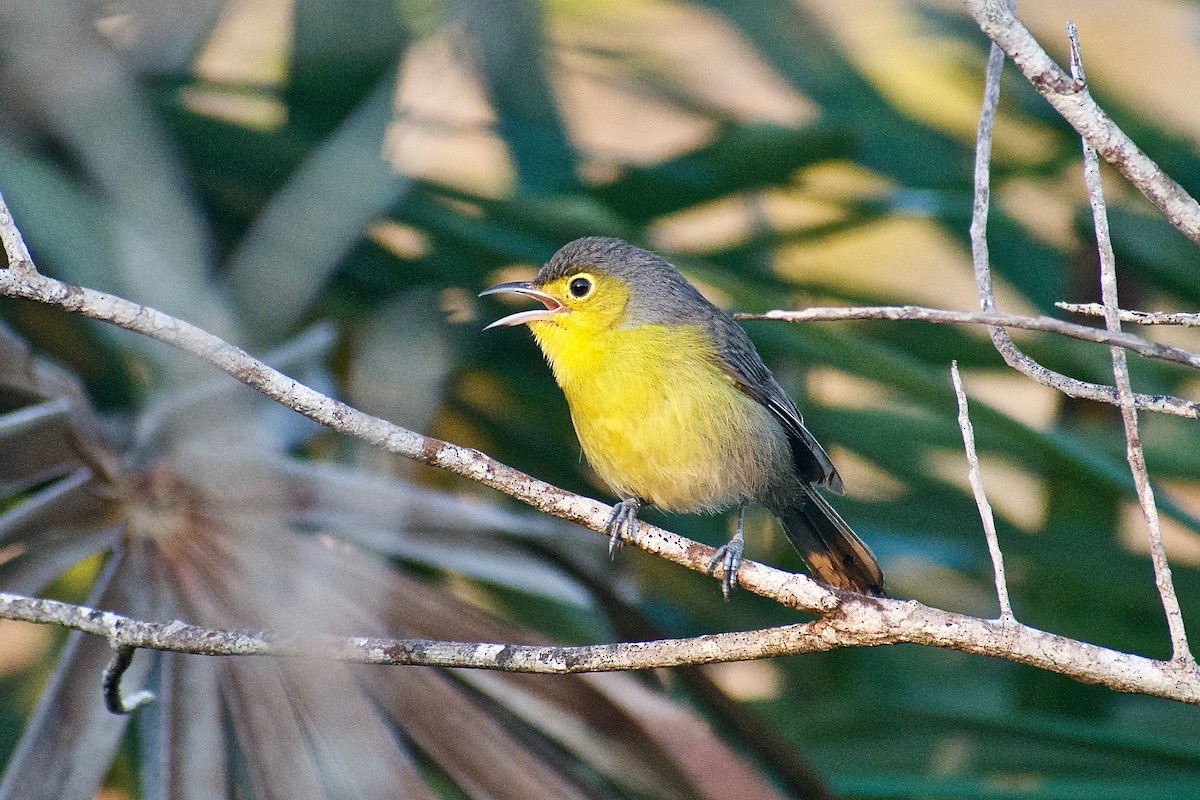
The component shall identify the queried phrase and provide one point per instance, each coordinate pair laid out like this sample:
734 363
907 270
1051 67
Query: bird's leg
729 555
623 523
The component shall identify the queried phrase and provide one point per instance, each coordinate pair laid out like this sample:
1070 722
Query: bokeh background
261 167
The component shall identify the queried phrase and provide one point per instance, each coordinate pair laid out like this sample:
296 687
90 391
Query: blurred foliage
257 167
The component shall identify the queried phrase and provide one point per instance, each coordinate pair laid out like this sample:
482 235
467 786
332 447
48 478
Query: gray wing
741 362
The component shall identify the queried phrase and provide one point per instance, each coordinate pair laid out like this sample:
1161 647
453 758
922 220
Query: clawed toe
622 524
728 559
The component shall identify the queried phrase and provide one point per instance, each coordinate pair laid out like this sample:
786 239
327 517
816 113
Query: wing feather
738 359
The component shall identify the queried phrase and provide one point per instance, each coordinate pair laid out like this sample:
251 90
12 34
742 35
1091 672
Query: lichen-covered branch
854 621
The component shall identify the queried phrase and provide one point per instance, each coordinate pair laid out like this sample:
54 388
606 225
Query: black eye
580 287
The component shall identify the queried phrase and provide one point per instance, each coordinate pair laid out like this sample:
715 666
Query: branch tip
1187 319
1076 55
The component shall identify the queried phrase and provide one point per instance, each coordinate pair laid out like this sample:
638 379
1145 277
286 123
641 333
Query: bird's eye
580 287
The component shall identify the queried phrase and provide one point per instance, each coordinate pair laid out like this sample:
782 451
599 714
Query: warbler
674 407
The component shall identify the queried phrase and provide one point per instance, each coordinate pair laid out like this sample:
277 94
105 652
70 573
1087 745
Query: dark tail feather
832 551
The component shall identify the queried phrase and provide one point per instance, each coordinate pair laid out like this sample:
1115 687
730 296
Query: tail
832 552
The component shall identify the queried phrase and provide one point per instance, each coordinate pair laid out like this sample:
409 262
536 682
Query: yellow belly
659 421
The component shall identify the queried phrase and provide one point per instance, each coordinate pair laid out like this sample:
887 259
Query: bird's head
597 283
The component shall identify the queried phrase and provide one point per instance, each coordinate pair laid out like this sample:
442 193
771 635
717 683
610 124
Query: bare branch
859 621
1182 318
975 475
1112 321
126 635
467 462
1071 99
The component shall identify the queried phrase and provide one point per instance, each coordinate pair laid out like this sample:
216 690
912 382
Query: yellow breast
657 418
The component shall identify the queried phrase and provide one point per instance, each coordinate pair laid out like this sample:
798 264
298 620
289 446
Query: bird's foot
622 524
728 559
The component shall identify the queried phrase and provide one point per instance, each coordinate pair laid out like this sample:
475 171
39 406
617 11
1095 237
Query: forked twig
1004 345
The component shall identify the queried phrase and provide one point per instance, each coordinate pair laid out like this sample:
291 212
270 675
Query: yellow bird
674 407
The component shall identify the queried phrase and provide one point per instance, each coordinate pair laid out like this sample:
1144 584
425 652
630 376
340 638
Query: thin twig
980 256
983 191
1071 100
1112 321
975 475
1182 318
992 318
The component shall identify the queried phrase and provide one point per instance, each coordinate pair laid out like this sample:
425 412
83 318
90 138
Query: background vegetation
258 166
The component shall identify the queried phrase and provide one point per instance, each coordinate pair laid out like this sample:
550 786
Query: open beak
552 305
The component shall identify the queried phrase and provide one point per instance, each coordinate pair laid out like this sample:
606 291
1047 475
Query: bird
674 407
